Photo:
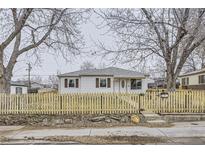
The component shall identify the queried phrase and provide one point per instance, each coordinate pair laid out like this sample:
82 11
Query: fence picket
180 101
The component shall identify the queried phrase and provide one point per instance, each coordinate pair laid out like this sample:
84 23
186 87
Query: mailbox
164 95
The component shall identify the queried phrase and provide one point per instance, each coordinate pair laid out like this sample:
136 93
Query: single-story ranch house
193 80
109 79
18 87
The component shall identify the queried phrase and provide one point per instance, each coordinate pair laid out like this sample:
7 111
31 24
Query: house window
102 83
123 83
139 84
65 83
71 83
201 79
136 84
18 90
185 81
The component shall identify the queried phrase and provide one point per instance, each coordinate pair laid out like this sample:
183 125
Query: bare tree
172 34
196 60
87 65
53 81
102 65
24 31
37 79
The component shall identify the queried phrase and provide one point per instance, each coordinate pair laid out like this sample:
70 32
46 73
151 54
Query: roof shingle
110 71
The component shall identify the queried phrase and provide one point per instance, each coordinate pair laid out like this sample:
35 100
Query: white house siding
88 84
62 88
193 79
145 84
13 89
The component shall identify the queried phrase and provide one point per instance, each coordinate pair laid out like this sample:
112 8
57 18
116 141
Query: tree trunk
4 85
171 77
5 78
171 82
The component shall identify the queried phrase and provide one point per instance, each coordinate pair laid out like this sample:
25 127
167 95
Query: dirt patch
68 121
97 125
54 120
107 139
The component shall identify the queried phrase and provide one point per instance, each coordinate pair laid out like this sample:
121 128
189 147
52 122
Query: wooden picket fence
66 104
181 101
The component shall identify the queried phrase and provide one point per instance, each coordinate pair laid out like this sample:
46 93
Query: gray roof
18 83
110 71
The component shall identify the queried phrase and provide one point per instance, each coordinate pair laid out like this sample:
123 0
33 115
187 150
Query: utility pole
29 75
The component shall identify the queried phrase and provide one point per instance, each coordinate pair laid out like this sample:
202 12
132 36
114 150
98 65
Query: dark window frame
139 84
97 82
185 81
105 83
108 82
135 84
17 90
65 83
77 83
201 79
73 84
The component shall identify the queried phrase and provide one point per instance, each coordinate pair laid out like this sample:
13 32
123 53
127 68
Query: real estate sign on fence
104 103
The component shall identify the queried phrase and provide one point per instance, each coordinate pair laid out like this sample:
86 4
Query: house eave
197 73
95 75
18 85
129 77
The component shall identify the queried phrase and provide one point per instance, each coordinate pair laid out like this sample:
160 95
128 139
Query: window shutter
108 82
77 83
97 82
65 83
199 78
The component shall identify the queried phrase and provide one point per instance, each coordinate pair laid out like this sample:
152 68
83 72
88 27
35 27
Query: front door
123 85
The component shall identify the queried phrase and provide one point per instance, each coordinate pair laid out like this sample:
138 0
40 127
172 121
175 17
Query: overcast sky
51 64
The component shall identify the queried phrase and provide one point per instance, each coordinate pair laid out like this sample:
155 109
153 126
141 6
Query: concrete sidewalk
185 129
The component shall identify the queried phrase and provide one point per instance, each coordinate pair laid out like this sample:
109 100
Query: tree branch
19 26
51 26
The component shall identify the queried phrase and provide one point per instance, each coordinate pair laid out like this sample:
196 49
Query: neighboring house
161 83
35 86
193 80
110 79
150 83
18 87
